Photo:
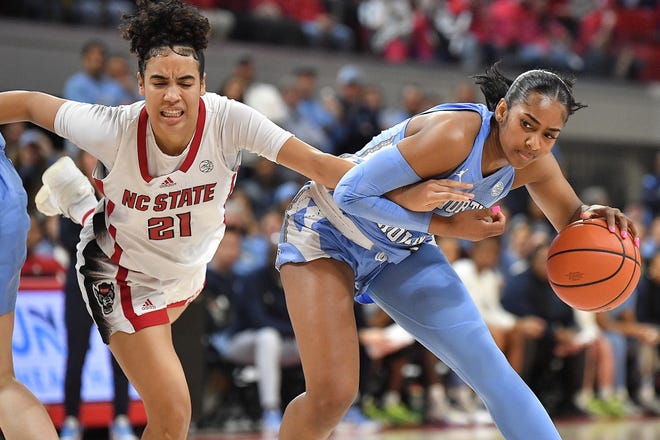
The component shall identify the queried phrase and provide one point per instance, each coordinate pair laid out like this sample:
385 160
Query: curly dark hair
495 86
166 24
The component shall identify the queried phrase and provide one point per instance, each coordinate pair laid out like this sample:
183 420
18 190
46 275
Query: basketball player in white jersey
166 168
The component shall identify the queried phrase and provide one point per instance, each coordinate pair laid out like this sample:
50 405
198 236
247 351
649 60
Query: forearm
362 190
312 163
330 169
442 226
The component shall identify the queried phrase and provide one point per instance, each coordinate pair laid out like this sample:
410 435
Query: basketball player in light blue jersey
355 241
21 414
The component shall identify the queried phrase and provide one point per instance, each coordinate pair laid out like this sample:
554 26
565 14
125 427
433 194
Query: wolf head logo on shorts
104 292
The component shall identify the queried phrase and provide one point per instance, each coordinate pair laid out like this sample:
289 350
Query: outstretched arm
324 168
556 198
36 107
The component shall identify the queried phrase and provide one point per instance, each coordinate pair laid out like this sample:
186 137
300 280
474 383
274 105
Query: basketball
591 268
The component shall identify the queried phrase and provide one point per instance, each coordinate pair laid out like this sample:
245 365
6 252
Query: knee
169 418
334 399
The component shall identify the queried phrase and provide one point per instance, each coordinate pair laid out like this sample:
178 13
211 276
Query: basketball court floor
626 429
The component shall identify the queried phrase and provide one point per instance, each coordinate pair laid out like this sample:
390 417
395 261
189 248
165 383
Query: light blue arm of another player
360 191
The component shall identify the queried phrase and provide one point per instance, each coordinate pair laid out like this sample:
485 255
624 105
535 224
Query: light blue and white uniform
14 225
398 266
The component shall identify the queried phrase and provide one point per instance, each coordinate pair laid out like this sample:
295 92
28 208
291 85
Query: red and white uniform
162 217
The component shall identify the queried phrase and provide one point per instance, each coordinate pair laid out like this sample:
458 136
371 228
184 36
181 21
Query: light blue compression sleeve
360 191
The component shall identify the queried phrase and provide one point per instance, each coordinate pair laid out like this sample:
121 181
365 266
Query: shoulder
223 108
456 126
451 131
215 102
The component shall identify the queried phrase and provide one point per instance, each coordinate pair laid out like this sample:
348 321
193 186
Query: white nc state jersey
164 216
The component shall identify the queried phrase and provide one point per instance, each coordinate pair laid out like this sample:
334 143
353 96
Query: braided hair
495 86
168 24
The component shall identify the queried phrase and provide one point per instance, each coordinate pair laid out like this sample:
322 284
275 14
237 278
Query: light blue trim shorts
14 225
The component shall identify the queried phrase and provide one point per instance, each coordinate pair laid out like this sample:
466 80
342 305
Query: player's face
528 130
171 87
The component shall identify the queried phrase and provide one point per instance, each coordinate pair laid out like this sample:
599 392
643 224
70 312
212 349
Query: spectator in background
239 80
262 335
411 103
651 241
38 264
594 39
461 27
12 134
481 275
78 326
648 312
357 123
233 88
627 336
218 296
35 154
219 14
517 245
102 12
91 84
240 215
525 33
310 107
374 99
530 294
389 24
597 396
299 124
262 180
389 348
269 21
651 189
118 69
284 194
464 91
320 26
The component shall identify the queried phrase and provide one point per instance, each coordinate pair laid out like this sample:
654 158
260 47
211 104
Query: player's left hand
614 217
429 194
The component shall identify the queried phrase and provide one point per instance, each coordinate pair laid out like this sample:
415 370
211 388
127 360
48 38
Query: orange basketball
591 268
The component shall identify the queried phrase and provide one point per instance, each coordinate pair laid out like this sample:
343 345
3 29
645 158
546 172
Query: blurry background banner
39 348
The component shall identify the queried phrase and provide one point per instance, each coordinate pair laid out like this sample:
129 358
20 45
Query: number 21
164 228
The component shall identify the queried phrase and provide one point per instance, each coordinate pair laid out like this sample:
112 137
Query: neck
173 147
492 158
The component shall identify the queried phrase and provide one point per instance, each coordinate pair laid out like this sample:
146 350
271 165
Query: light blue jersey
331 229
397 266
397 242
14 225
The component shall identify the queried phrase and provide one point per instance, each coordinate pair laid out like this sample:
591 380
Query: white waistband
324 200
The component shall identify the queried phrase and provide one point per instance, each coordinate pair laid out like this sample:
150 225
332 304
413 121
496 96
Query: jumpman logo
460 174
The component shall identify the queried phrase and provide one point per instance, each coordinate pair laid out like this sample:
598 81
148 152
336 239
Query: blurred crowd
608 38
579 364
